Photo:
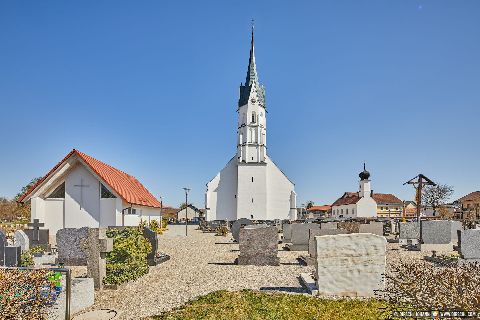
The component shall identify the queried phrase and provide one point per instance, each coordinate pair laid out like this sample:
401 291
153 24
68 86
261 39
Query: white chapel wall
82 207
279 193
221 193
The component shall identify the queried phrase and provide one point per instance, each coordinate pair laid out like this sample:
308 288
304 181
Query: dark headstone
38 237
152 237
12 256
237 225
258 245
3 244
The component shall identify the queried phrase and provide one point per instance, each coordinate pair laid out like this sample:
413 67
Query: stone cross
96 247
36 226
81 186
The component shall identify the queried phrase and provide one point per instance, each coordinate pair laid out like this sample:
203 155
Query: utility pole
186 210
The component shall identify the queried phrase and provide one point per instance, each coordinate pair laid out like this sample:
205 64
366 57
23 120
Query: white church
81 191
251 185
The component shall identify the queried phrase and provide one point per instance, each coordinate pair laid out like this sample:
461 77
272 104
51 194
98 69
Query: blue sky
151 88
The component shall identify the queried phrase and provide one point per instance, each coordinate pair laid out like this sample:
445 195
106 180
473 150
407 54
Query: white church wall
54 217
252 195
221 194
279 193
108 212
82 204
37 209
366 207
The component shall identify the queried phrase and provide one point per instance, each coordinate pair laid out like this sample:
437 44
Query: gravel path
200 263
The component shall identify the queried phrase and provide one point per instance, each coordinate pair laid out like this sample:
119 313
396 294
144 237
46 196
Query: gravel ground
200 263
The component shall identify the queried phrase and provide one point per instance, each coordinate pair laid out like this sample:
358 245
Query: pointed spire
252 68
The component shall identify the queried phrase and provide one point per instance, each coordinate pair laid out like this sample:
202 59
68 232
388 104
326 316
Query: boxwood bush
128 259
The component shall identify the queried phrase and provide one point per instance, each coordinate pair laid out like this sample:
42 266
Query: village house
81 191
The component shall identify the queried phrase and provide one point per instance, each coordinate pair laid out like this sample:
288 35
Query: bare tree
436 196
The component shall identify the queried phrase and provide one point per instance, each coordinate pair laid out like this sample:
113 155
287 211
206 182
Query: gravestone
9 255
320 232
329 225
439 235
85 247
3 244
21 239
350 226
237 225
350 264
300 235
38 237
372 227
69 246
152 237
409 233
469 244
96 247
287 232
258 246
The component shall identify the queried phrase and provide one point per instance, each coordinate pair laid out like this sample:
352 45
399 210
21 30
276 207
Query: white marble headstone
21 240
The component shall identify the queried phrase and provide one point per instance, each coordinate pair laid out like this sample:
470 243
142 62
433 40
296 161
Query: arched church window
254 116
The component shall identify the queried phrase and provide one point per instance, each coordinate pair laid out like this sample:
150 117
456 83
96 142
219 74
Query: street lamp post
161 211
186 210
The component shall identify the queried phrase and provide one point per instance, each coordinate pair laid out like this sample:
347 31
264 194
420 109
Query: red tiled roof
473 196
319 208
125 185
386 198
352 198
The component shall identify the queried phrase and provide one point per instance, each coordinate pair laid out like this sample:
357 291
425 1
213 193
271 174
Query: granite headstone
409 233
258 245
372 227
300 235
69 246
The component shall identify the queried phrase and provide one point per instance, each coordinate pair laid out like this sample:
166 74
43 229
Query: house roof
353 197
472 196
125 185
319 208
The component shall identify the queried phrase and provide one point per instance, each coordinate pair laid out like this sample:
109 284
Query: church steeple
252 89
252 68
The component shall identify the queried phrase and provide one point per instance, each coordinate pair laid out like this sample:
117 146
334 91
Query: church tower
251 185
252 122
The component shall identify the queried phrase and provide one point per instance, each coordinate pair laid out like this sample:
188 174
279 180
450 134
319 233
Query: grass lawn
247 304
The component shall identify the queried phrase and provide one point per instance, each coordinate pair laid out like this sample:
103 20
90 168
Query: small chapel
81 191
251 185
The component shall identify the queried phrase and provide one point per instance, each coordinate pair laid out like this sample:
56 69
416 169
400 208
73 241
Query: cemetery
130 82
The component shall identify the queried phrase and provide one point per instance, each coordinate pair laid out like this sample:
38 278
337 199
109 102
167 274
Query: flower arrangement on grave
128 259
221 231
26 294
36 251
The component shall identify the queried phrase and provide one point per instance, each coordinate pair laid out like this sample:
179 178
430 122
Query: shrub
128 259
36 249
25 294
221 231
425 286
26 259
